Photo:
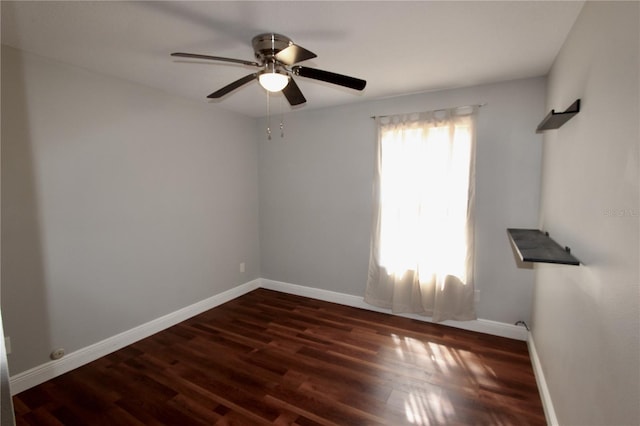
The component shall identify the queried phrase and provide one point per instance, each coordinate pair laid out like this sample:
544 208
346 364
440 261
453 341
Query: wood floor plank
269 358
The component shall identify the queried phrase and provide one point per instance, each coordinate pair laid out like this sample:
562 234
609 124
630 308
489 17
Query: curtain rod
435 110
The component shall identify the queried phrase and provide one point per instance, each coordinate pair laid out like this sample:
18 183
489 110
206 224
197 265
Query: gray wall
120 204
315 191
586 319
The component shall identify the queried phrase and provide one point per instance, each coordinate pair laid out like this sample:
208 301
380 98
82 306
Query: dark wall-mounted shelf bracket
554 119
533 245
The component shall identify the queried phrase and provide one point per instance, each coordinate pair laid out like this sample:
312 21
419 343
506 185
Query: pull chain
281 120
268 118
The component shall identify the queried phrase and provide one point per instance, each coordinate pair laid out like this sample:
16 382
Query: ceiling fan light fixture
273 81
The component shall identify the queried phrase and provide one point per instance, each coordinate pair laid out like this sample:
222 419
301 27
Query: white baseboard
545 396
480 325
42 373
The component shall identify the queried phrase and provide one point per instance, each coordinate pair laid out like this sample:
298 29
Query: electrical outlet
7 345
242 267
57 354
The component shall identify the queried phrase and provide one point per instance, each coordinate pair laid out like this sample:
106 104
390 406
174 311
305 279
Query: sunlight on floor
424 409
432 405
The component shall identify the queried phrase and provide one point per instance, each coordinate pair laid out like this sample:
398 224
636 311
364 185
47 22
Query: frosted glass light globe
273 81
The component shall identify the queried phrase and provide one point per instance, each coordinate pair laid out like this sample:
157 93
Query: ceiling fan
276 57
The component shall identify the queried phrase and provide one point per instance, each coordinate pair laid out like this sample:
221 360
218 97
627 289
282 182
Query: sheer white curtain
421 257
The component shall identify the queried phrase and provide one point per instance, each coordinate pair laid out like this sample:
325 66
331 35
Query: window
422 240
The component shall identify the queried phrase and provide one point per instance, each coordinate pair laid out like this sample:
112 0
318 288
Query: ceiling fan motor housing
267 45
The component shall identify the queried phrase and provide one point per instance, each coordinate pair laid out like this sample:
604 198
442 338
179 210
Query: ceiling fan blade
293 94
330 77
215 58
233 86
293 54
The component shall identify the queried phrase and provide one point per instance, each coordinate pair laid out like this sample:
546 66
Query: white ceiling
398 47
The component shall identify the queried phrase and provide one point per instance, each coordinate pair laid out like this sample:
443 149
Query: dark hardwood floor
274 358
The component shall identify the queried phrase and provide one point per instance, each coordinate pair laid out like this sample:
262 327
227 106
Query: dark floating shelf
535 246
554 119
